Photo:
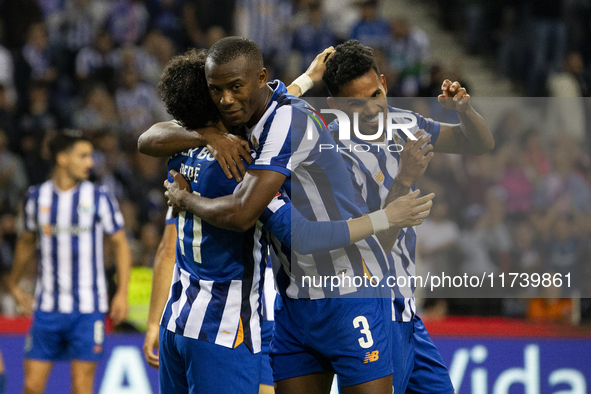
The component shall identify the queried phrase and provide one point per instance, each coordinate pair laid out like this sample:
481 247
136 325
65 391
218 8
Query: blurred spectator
158 50
371 30
13 177
99 112
437 241
266 22
563 251
127 21
6 71
536 158
570 82
98 62
36 126
201 15
408 53
7 121
564 187
36 61
166 16
487 243
313 36
525 252
137 103
514 179
342 16
551 310
547 40
18 16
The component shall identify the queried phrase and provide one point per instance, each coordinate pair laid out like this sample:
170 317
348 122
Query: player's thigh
356 337
85 340
266 389
206 362
314 383
377 386
82 376
47 337
171 372
36 374
290 357
430 375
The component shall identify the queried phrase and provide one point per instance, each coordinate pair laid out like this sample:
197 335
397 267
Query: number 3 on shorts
368 340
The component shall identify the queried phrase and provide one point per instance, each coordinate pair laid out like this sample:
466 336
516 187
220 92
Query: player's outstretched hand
318 65
414 158
23 300
408 211
229 150
119 307
150 347
454 96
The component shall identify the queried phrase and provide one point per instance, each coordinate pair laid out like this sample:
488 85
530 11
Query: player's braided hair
350 61
183 89
229 48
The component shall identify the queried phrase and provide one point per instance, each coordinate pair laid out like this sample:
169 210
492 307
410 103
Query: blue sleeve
430 126
300 234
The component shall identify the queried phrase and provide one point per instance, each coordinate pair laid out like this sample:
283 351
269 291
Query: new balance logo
370 357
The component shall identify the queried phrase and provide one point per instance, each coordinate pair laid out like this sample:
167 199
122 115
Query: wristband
304 82
379 221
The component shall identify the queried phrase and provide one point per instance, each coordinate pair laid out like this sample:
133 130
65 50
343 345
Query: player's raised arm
313 74
471 136
163 267
24 253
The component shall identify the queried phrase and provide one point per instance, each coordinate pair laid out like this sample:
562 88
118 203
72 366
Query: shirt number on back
368 340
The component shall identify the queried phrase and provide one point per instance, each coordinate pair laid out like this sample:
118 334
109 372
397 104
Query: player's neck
267 94
63 181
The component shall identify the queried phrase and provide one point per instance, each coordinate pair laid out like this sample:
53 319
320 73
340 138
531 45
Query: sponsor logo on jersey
370 357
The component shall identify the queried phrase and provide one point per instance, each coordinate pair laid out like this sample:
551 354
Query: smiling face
236 88
366 96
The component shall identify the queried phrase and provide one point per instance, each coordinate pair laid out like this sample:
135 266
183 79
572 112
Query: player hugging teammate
212 318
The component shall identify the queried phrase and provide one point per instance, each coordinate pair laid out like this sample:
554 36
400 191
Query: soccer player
204 175
65 220
352 78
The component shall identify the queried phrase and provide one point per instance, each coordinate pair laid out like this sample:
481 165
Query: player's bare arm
238 211
119 307
313 74
413 163
167 138
23 254
471 136
163 268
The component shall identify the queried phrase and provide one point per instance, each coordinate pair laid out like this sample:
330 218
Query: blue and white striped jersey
320 188
216 286
373 173
70 226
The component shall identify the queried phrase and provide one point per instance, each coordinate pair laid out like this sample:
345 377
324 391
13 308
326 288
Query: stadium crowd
94 66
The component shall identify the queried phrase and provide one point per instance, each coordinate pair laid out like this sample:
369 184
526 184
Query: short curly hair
350 61
183 88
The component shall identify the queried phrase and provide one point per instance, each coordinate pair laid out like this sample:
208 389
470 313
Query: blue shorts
429 375
65 336
348 336
189 365
266 336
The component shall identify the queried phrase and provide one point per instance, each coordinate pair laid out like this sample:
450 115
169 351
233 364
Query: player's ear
262 79
384 84
332 103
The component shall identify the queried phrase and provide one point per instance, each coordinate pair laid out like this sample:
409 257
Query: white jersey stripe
85 257
45 201
198 309
230 317
64 252
181 232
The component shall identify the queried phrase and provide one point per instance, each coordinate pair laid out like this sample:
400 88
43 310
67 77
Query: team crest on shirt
255 142
398 140
86 208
